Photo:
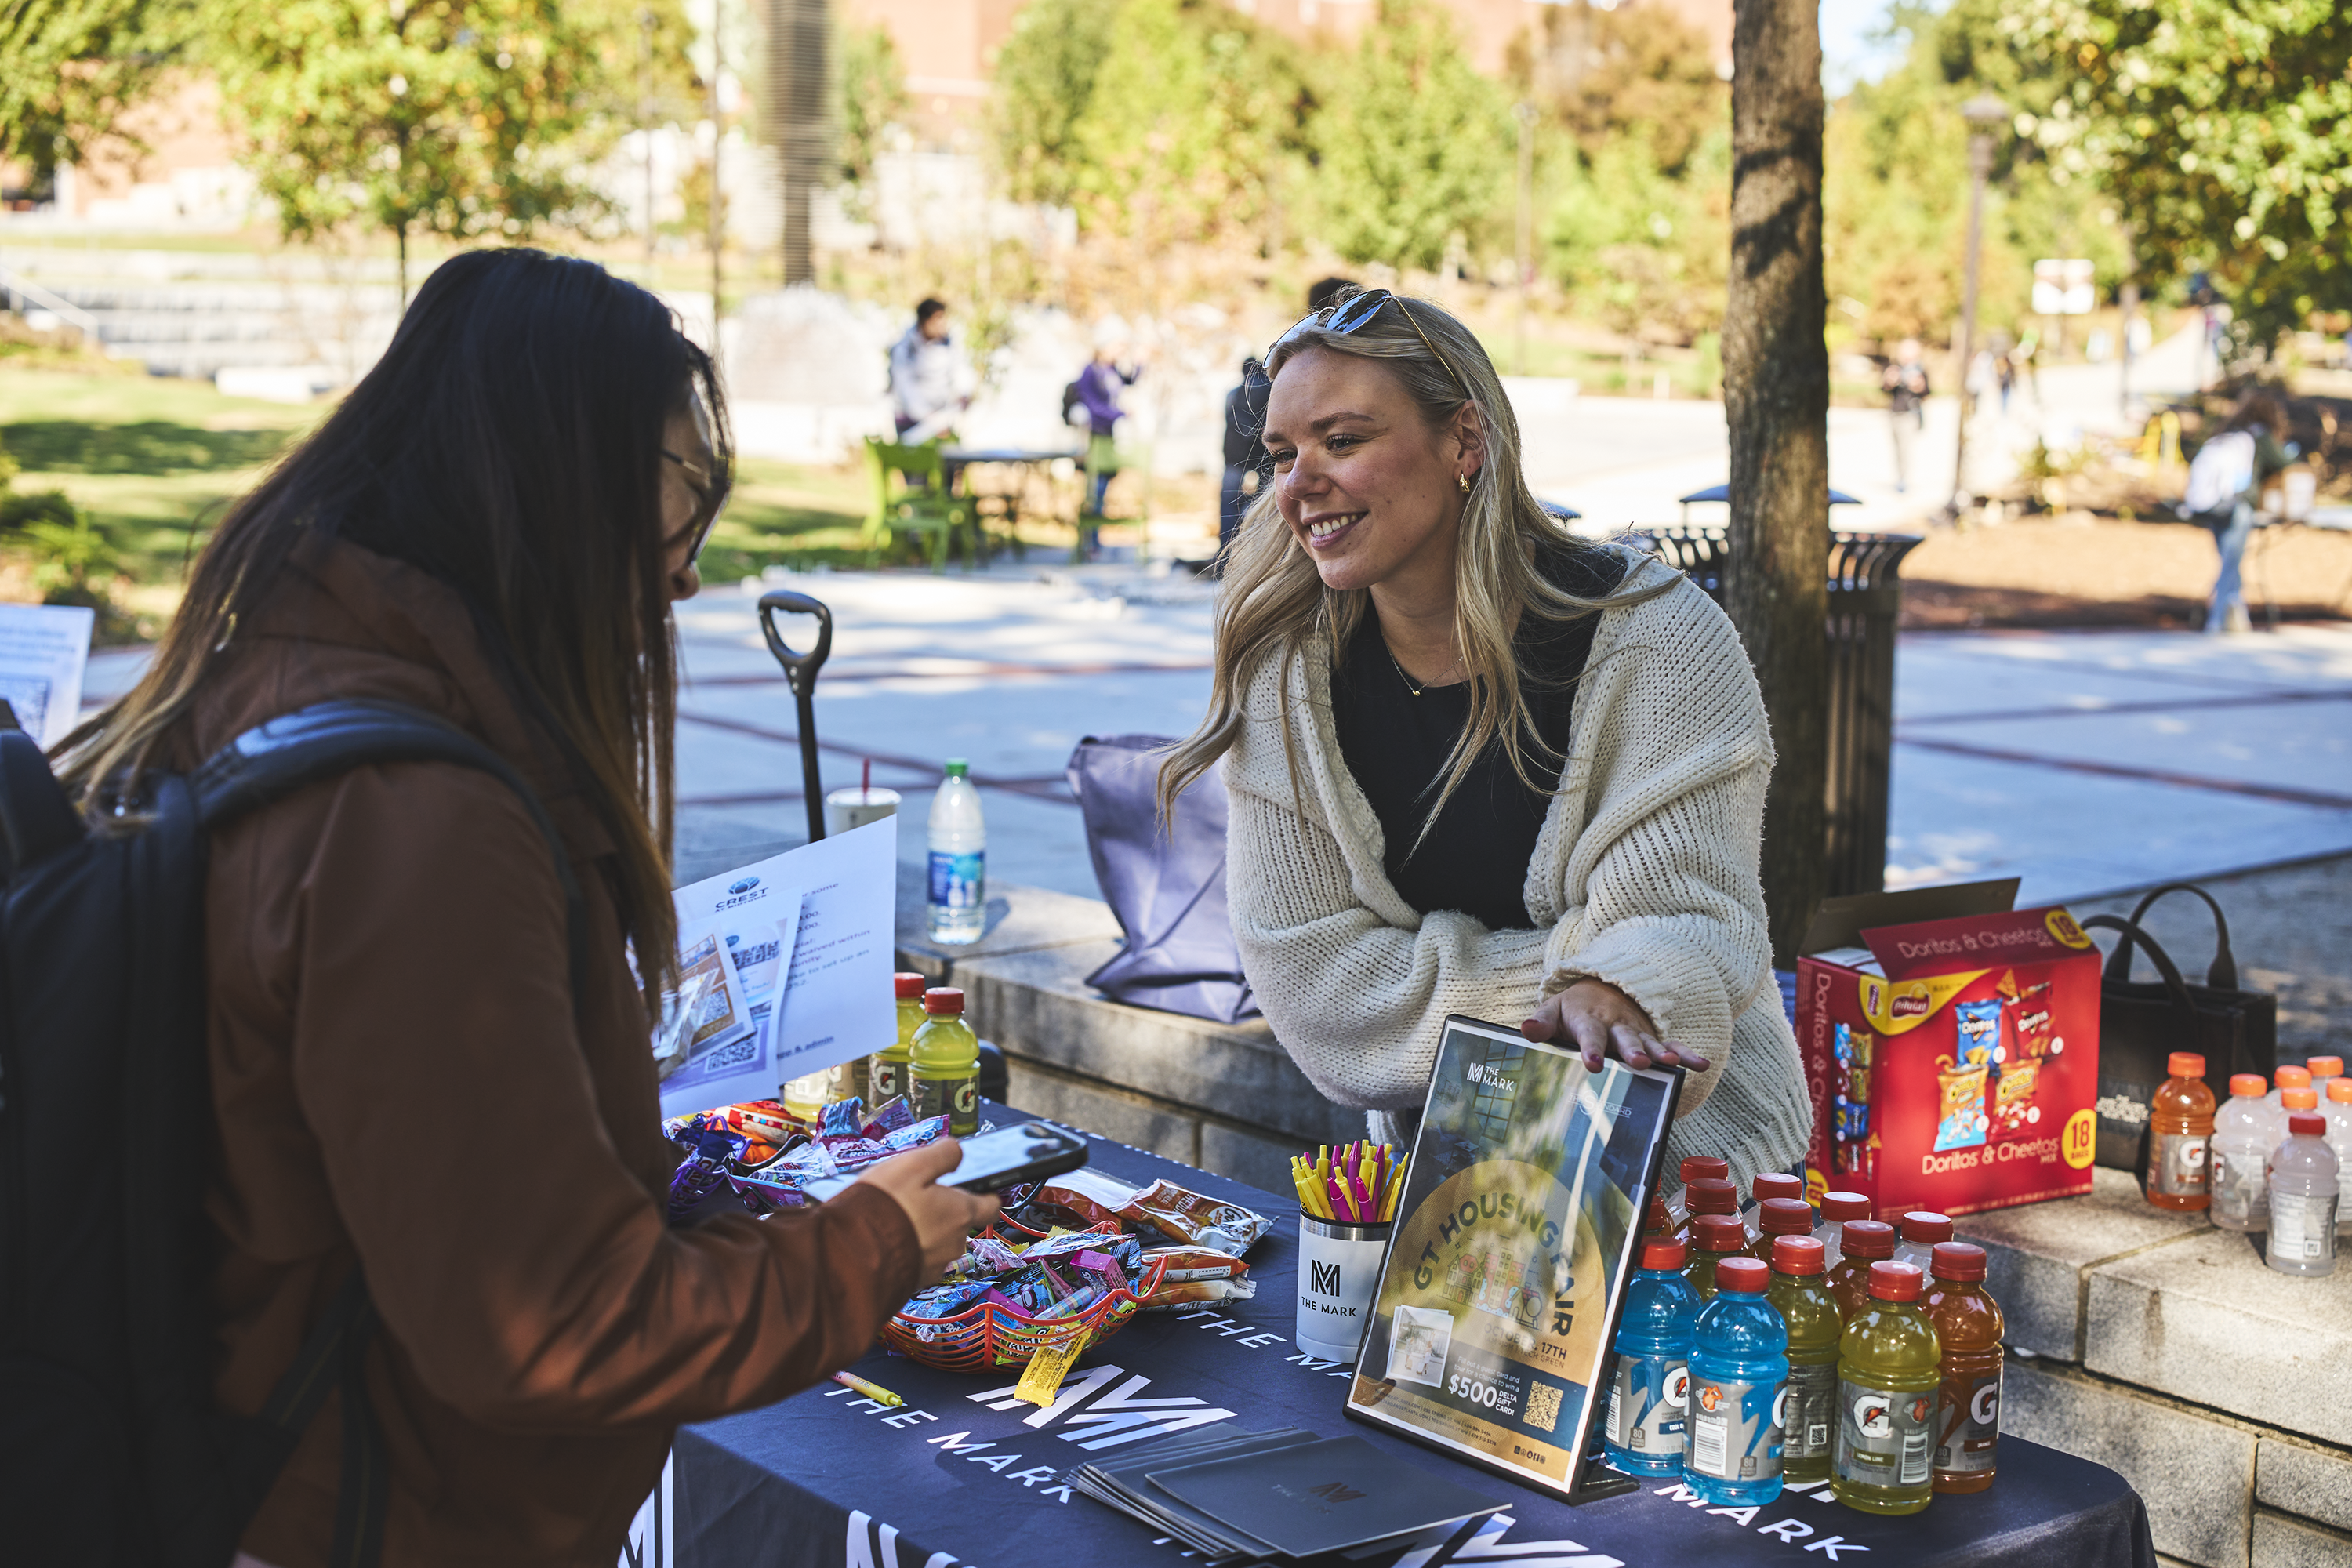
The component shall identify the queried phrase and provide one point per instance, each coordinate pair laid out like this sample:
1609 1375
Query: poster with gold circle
1513 1243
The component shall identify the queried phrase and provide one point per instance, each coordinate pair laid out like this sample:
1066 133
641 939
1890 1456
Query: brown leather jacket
398 1075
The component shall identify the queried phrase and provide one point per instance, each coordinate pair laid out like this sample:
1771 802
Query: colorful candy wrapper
1189 1216
842 1119
708 1153
887 1118
915 1134
1070 1306
1191 1263
985 1257
1185 1295
946 1301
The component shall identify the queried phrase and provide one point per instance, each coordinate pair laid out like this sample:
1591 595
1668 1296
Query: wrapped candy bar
887 1118
856 1154
842 1119
1070 1306
1193 1263
1079 1199
779 1181
1185 1295
1103 1269
915 1134
946 1301
708 1153
985 1257
1202 1221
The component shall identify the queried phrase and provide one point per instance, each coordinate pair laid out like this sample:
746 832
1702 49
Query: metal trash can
1866 598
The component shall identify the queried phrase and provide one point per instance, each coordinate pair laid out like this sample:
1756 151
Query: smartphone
1007 1157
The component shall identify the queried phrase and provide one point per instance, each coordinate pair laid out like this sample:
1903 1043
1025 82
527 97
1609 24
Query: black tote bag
1166 889
2143 1022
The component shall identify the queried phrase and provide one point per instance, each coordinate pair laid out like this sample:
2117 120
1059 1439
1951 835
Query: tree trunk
401 233
800 122
1775 378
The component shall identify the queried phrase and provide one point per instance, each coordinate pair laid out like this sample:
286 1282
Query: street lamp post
1982 112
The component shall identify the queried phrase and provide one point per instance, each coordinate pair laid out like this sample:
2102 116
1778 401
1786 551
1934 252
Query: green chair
918 502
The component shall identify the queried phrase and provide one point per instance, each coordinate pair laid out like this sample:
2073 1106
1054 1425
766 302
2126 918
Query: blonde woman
1477 766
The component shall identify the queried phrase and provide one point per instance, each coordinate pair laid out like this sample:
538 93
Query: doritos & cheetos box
1953 1063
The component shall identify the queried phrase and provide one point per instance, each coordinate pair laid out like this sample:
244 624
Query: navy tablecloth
961 1474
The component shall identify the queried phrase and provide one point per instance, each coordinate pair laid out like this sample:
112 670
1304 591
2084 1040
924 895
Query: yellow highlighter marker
873 1391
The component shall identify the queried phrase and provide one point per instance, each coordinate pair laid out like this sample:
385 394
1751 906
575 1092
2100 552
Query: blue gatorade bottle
1647 1396
1738 1389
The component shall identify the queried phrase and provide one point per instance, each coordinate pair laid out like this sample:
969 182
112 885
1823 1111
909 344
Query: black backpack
111 1451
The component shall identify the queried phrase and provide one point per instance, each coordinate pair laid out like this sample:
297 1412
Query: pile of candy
766 1158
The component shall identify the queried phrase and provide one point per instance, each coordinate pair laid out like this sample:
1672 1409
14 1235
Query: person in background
1905 386
2004 370
1325 292
493 526
1246 459
1098 388
2224 479
930 381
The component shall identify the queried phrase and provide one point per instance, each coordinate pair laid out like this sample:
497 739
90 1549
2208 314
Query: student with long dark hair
492 526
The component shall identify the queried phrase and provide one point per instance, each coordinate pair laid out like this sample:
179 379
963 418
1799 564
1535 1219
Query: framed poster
1513 1243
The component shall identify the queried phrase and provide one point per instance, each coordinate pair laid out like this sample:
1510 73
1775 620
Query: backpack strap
263 766
273 759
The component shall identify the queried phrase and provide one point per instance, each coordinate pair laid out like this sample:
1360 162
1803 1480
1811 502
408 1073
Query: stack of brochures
1278 1495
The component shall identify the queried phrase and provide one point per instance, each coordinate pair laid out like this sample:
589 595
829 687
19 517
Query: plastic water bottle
2303 1199
2339 1111
1649 1395
1836 1209
1739 1390
2241 1152
2288 1078
2324 1071
1890 1371
959 843
1921 1230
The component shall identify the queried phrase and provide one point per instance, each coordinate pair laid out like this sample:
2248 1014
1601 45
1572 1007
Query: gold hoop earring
1463 480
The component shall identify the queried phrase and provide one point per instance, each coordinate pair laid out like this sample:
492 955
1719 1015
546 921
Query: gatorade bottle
1696 1167
2287 1078
886 1069
2339 1111
1890 1365
1658 1221
2324 1071
1712 1195
943 1066
1739 1390
1649 1395
1763 1188
1968 1327
1777 1217
1815 1328
2180 1135
1865 1242
1920 1231
2241 1159
958 910
2303 1198
1714 1237
1836 1209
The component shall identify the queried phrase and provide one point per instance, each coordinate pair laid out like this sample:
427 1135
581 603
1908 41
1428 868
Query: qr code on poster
1543 1406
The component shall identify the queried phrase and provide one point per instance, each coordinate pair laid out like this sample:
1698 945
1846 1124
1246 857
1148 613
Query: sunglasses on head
1352 313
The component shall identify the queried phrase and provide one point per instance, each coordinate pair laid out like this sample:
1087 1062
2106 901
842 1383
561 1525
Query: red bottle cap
1697 1165
1785 1216
1712 1195
1867 1238
2185 1064
909 986
2295 1078
1743 1275
1927 1228
1798 1254
1844 1206
2248 1085
1959 1260
2307 1126
1665 1252
1777 1184
1895 1281
2299 1098
2324 1066
1718 1233
943 1000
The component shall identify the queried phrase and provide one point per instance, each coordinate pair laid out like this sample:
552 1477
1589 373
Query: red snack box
1963 1074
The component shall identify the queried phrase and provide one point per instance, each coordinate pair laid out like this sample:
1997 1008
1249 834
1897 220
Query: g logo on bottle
1781 1407
1677 1394
966 1097
1873 1415
1984 1408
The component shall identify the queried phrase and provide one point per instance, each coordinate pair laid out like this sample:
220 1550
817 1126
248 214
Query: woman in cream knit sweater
1476 766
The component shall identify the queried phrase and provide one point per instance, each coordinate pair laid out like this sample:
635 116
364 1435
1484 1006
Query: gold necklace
1410 684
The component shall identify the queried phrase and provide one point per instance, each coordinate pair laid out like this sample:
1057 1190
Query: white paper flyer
43 649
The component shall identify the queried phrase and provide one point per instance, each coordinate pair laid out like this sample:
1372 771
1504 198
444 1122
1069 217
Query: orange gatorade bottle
1863 1242
2180 1136
1968 1327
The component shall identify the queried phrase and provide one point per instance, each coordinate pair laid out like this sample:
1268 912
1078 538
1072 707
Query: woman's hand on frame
943 1216
1601 1021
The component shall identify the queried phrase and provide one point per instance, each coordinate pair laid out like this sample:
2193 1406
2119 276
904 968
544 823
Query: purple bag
1167 891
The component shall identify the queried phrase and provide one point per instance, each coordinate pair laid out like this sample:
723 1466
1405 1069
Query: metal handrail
16 283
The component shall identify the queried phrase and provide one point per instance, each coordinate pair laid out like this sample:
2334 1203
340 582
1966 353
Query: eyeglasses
1353 313
710 492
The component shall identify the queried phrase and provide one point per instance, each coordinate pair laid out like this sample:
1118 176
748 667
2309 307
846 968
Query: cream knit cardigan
1644 875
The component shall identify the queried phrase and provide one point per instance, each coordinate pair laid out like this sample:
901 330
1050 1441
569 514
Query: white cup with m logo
1339 1268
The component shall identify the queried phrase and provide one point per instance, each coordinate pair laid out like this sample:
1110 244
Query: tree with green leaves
872 83
2222 127
68 70
454 118
1045 84
1415 144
